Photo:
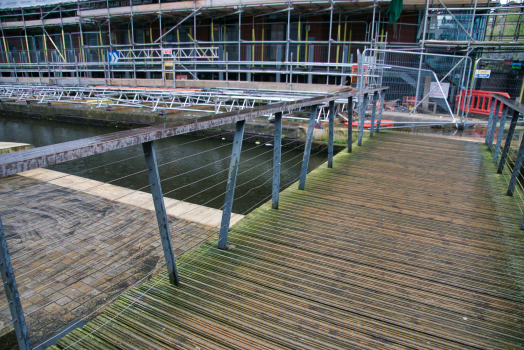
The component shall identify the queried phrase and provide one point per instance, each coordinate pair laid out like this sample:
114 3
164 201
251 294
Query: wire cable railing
80 250
507 154
162 279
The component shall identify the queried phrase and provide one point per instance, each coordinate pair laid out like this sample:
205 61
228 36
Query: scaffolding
106 42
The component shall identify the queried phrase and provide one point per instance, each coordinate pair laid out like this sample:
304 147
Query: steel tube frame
362 118
231 184
500 134
350 124
307 147
381 108
516 169
277 149
160 211
507 145
331 133
490 119
373 113
493 127
11 292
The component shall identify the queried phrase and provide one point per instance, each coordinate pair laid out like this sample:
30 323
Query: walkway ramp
409 242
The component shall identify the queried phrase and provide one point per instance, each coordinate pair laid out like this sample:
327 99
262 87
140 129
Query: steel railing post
490 118
231 183
500 134
362 118
13 297
507 145
493 126
307 147
373 113
160 211
516 169
277 145
350 124
331 133
381 108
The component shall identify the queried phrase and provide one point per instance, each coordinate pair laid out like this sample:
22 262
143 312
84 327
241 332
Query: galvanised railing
509 158
18 162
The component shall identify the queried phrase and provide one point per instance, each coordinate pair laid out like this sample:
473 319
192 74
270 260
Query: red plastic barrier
480 101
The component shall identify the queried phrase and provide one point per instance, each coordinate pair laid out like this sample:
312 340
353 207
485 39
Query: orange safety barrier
480 101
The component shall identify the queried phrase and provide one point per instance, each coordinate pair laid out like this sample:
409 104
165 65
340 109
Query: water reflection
192 169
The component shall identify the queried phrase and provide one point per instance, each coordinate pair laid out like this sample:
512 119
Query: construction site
435 57
89 88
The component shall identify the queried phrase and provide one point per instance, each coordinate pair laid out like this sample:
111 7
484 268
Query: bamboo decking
407 243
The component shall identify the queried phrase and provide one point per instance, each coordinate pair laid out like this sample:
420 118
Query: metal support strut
307 147
493 126
516 169
507 145
277 145
13 297
500 134
160 211
350 124
362 118
373 113
331 133
231 183
380 109
490 119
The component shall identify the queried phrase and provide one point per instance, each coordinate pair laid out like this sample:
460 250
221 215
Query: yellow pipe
63 46
27 47
191 38
253 46
305 52
101 57
150 32
6 49
262 50
178 35
56 47
82 47
338 46
212 35
129 36
45 47
298 46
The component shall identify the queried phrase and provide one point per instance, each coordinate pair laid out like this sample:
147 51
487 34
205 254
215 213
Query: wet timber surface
408 242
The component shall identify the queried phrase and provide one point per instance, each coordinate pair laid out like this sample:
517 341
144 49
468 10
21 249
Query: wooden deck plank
409 242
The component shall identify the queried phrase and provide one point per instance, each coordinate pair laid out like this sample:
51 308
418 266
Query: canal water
192 169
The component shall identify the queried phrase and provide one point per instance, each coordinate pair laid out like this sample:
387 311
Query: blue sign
112 57
482 73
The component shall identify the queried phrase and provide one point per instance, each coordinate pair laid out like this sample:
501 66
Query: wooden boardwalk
409 242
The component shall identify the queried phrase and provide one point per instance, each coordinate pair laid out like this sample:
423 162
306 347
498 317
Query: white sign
113 57
482 73
167 51
436 92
